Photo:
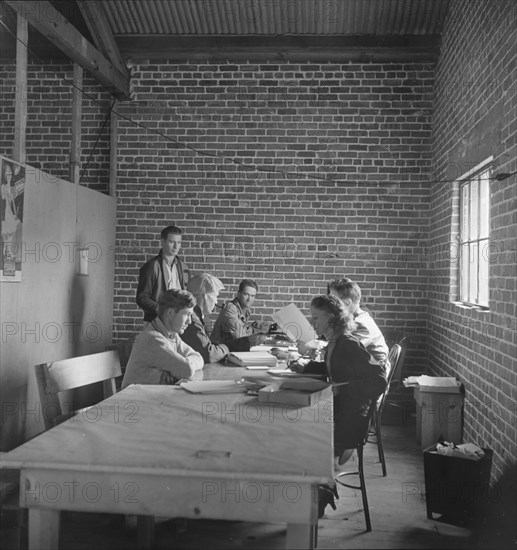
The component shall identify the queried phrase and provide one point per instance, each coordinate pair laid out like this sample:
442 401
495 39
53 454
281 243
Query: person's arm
196 337
172 356
371 336
350 362
240 344
303 365
146 282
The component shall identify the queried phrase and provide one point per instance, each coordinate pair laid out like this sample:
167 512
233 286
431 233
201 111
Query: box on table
439 414
456 487
287 393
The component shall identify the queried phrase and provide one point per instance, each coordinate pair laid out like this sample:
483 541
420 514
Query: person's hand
279 354
256 339
307 347
298 365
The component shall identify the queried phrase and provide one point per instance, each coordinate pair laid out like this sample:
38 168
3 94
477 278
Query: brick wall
291 174
476 116
49 121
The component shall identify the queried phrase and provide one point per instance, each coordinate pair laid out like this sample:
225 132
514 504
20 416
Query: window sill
470 307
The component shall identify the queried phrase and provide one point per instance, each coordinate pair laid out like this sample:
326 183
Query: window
474 234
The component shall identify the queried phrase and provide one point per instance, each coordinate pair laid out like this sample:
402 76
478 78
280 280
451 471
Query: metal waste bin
439 414
456 487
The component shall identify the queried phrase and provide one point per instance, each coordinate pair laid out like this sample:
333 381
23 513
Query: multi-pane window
475 235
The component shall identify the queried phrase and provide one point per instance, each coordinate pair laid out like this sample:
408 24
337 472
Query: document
252 359
294 323
214 386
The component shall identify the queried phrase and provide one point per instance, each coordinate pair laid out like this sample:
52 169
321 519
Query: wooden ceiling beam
332 48
60 32
100 30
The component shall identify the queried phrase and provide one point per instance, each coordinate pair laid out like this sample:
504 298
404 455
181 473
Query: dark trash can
456 487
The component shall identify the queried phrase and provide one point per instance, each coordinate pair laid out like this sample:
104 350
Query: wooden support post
113 149
20 110
77 104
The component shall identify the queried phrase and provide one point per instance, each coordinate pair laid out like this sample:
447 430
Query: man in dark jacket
163 272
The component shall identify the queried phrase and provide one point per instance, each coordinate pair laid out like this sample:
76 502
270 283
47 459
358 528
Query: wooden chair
53 378
69 374
124 349
360 470
394 365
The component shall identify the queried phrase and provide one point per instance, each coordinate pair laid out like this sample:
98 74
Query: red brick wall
354 141
476 116
49 121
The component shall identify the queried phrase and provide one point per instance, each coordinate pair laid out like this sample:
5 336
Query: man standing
234 319
159 355
163 272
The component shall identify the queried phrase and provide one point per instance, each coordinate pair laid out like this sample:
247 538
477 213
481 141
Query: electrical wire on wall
250 167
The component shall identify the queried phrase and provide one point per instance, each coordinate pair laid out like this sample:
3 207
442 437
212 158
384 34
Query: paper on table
288 373
294 323
213 386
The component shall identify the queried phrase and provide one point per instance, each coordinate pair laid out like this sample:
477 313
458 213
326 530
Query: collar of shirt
158 325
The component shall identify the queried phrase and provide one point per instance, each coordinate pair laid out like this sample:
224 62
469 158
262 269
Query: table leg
301 535
43 529
145 530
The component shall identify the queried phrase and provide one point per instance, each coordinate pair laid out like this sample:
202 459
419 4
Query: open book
252 359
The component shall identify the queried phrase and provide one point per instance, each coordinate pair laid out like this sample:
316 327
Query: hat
204 283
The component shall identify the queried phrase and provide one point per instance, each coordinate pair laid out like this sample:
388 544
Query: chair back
68 374
124 351
394 368
396 375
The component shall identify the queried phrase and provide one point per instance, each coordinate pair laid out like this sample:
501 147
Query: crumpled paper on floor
465 450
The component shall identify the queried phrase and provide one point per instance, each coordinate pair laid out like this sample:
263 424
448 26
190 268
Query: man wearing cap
206 288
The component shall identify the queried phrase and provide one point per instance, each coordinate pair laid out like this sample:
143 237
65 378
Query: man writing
159 355
163 272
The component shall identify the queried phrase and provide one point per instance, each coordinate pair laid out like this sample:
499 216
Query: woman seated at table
357 376
206 288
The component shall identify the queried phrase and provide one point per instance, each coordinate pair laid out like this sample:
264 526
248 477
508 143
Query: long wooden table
161 451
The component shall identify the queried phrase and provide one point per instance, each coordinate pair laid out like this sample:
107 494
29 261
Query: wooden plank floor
397 508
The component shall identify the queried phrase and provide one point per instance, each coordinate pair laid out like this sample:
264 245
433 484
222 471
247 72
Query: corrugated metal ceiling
276 17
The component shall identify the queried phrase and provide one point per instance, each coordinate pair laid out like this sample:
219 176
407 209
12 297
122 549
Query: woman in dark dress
356 376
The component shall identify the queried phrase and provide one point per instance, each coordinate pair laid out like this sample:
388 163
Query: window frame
477 245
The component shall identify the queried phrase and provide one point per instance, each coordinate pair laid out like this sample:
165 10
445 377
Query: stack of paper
443 384
252 359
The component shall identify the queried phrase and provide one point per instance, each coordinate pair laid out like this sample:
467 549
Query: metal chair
394 365
360 471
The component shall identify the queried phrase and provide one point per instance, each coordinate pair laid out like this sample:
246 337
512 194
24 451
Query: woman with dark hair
356 376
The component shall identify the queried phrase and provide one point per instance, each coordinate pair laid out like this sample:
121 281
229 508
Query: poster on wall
12 183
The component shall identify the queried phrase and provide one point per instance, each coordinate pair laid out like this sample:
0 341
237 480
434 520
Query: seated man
234 319
367 331
159 355
205 288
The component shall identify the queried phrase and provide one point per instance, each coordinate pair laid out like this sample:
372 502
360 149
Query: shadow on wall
86 395
497 528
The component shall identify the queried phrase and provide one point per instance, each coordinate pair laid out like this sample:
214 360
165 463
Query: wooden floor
397 508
